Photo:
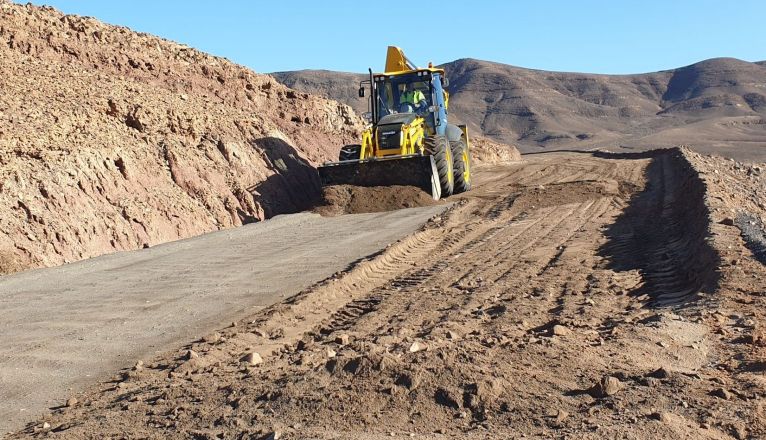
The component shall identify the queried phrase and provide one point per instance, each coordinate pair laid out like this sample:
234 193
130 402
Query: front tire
439 147
462 166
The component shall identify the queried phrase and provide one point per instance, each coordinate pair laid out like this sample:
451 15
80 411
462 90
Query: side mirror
445 82
367 116
361 92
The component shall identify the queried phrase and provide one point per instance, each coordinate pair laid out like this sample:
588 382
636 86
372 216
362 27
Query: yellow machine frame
413 134
410 163
412 141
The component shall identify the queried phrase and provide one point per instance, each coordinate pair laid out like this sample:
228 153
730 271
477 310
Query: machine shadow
294 186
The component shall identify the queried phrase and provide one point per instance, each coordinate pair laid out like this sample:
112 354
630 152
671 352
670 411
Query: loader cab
388 89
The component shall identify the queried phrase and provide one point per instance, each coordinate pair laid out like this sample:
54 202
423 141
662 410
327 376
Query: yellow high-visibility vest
413 97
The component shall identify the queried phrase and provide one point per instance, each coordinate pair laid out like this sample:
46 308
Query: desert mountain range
717 105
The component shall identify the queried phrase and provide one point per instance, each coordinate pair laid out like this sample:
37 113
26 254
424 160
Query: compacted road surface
67 326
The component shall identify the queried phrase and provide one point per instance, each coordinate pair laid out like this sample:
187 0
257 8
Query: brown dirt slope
574 296
716 105
113 140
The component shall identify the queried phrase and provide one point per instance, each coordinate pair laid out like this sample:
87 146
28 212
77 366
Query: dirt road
67 326
571 296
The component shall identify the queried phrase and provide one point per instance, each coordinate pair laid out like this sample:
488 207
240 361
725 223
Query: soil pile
350 199
114 140
488 152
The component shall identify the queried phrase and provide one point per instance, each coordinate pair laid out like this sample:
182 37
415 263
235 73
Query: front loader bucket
416 170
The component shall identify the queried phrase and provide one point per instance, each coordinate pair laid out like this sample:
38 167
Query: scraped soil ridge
664 232
502 317
485 151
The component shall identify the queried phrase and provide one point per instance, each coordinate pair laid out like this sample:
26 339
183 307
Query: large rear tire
462 166
350 152
439 147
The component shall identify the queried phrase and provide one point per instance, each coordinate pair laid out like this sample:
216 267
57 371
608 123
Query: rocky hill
115 140
340 86
716 105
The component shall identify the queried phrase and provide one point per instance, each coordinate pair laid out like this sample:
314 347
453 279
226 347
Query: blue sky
597 36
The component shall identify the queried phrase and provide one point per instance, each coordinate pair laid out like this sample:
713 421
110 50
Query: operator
411 100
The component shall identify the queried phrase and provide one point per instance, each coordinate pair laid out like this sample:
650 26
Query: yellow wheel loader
409 140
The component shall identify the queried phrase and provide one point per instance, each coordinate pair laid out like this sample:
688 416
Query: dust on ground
351 199
598 316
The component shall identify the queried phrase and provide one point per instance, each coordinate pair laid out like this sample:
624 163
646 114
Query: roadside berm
560 299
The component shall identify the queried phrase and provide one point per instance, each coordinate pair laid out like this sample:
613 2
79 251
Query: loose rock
721 393
663 417
252 358
212 339
661 373
608 386
560 330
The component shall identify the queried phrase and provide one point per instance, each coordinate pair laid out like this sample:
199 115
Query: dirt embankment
665 232
503 317
113 140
